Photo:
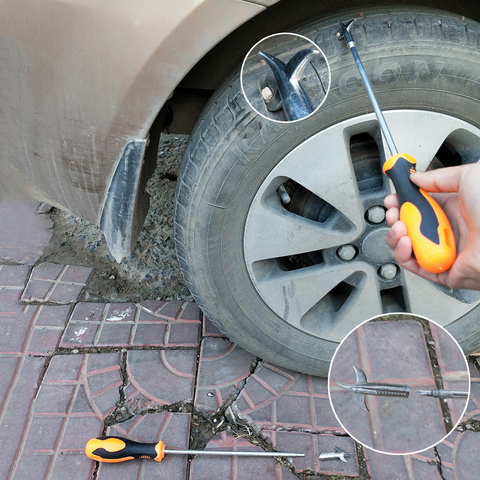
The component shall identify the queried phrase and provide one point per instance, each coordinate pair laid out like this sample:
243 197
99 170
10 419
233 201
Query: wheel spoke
293 295
274 233
418 133
448 305
323 165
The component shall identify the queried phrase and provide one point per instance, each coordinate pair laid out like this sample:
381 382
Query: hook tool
427 225
337 454
112 449
362 388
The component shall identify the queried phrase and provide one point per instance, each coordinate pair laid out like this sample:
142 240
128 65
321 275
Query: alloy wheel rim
326 272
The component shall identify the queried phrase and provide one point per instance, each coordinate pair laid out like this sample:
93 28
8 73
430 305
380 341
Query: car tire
424 65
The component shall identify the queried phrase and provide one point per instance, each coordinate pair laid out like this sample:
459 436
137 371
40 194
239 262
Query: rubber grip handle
427 225
118 449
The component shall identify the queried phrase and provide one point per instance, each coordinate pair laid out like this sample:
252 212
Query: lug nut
347 252
376 214
388 271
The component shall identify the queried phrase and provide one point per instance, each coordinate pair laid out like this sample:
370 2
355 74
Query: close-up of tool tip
362 388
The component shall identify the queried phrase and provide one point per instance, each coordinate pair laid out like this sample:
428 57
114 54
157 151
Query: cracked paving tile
276 398
212 467
222 369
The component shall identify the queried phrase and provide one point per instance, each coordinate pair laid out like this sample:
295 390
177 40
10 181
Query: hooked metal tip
345 28
338 454
339 450
359 398
294 98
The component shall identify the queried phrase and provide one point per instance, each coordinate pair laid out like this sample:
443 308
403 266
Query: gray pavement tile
53 283
161 377
15 411
391 467
466 456
451 359
210 330
222 367
13 276
212 467
394 349
23 241
423 467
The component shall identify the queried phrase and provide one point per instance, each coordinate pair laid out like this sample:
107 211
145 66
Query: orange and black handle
118 449
428 226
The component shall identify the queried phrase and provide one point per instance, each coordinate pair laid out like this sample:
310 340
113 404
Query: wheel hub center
375 248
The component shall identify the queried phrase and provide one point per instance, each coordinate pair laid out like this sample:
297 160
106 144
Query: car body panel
82 78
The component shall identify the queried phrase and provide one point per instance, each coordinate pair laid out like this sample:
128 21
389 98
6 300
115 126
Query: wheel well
191 95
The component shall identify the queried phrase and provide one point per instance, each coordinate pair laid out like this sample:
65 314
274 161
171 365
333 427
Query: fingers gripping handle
427 225
118 449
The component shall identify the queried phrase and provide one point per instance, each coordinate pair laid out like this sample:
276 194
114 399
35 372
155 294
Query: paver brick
13 276
55 283
466 455
127 325
15 410
64 414
161 377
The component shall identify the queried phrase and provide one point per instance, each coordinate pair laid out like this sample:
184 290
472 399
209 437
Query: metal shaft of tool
442 393
373 99
237 454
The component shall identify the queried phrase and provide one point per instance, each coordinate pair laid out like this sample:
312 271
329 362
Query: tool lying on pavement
293 98
427 225
111 449
362 388
337 454
443 393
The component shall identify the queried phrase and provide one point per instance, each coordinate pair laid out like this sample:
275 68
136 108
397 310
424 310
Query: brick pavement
157 370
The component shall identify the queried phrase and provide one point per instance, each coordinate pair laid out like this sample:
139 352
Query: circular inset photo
285 77
399 383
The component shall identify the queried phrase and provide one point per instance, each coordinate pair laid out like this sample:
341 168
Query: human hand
457 190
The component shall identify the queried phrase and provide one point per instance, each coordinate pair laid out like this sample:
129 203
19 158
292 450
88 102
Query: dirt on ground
152 270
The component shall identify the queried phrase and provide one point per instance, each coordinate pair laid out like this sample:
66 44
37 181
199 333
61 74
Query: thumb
440 180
